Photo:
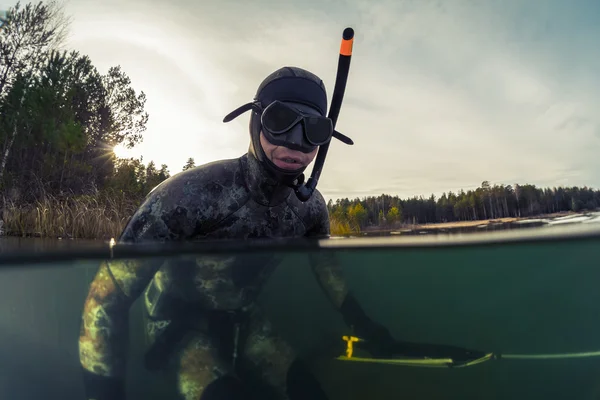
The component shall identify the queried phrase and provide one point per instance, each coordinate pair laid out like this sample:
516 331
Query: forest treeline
485 202
60 119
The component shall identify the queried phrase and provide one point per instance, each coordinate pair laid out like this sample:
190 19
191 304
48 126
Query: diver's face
286 158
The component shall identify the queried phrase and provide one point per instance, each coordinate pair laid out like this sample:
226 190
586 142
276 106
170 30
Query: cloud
440 96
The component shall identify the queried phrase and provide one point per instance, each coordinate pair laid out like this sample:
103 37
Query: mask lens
278 118
318 130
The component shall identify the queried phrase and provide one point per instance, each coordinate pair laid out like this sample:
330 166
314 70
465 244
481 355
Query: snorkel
305 191
316 99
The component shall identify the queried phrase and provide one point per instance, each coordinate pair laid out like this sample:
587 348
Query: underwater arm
104 332
104 329
376 337
329 273
324 264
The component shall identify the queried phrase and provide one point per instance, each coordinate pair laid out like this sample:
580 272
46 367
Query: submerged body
233 199
201 311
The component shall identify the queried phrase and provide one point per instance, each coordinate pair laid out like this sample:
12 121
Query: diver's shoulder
317 199
209 182
209 172
179 204
220 171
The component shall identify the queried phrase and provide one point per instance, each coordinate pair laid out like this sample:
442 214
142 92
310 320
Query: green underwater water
508 297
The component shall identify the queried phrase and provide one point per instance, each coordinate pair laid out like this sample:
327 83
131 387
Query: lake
526 291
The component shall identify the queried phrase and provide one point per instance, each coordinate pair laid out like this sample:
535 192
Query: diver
202 316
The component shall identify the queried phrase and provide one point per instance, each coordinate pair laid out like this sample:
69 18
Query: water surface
501 294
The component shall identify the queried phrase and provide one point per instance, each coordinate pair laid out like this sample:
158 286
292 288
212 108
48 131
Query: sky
441 96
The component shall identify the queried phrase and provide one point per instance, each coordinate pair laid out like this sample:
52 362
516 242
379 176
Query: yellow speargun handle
350 344
427 362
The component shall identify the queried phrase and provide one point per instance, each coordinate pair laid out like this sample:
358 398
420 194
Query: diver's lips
282 163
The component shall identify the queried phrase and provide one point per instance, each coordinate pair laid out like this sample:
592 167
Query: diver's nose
296 136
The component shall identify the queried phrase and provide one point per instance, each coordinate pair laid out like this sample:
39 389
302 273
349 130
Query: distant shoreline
460 225
465 224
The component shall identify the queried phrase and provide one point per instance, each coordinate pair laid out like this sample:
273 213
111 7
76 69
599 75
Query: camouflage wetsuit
228 199
231 199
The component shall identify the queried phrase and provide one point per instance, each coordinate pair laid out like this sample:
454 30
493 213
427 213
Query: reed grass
342 228
101 216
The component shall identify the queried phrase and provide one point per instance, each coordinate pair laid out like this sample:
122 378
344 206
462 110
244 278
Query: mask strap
242 109
342 137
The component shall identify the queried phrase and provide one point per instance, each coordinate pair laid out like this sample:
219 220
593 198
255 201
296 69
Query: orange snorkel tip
347 42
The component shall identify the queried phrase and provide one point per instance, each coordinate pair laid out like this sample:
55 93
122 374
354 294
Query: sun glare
123 152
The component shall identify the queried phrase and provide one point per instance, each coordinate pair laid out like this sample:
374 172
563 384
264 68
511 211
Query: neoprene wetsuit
197 307
231 199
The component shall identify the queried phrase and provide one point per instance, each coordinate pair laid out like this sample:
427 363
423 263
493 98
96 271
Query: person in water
197 312
201 312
